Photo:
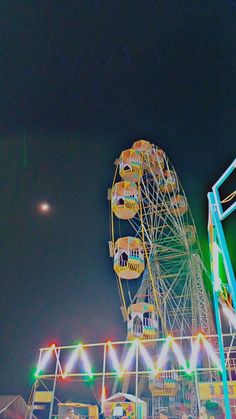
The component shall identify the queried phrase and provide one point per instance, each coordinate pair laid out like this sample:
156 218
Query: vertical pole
217 312
33 398
35 386
222 355
136 379
197 390
103 377
54 383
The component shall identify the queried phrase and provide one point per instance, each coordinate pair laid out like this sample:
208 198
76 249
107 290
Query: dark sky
79 81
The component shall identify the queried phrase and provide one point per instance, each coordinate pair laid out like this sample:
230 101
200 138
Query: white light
194 354
85 360
44 359
231 315
179 356
212 354
162 357
129 357
147 358
114 359
78 351
72 360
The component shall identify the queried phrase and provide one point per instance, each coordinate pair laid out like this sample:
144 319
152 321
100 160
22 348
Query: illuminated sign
214 390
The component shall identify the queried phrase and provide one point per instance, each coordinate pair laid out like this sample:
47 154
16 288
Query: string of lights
169 348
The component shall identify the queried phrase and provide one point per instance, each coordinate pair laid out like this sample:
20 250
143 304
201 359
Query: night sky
79 82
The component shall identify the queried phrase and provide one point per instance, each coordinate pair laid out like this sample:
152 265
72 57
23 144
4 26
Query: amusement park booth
84 411
125 405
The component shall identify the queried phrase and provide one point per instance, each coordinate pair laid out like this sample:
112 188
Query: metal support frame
223 214
217 240
106 371
54 383
103 377
136 379
31 407
55 376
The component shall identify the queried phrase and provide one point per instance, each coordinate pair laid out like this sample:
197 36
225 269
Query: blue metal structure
218 246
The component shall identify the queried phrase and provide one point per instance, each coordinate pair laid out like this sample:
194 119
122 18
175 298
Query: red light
64 379
53 343
199 333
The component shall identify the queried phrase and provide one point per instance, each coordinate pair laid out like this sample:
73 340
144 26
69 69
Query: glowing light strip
129 357
194 355
211 353
230 314
86 363
179 356
44 360
147 358
114 359
164 350
72 359
75 355
161 361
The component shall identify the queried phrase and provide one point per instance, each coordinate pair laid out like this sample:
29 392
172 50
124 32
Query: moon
44 208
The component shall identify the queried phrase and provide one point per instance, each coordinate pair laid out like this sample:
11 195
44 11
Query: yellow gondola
154 160
128 257
131 165
141 145
168 182
125 200
178 205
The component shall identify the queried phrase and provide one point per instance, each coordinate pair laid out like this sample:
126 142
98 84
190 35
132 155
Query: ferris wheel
161 248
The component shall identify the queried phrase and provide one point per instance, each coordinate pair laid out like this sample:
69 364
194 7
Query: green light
91 376
38 373
32 374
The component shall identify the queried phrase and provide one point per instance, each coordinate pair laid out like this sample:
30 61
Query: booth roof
75 404
129 397
12 404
